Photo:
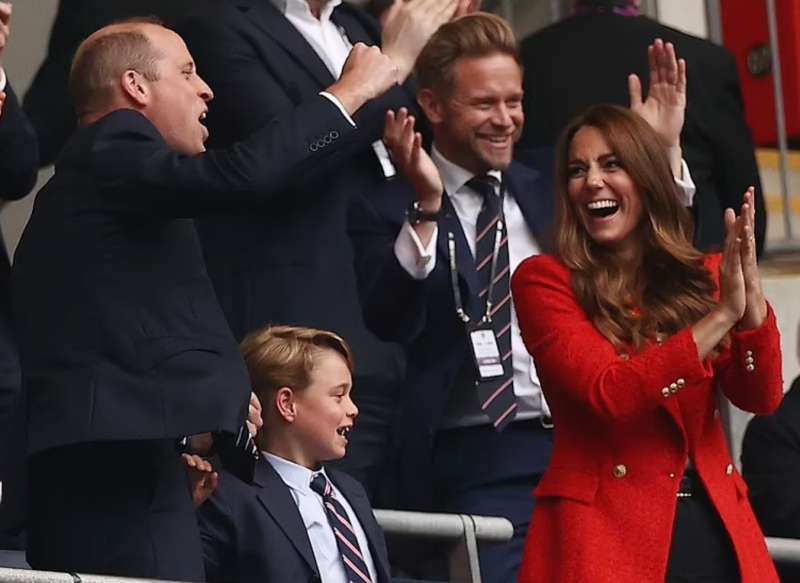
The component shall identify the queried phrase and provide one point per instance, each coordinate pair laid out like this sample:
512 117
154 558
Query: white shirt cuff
2 79
686 184
416 259
338 104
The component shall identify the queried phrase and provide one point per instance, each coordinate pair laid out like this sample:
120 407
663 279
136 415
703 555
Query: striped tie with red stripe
353 559
496 395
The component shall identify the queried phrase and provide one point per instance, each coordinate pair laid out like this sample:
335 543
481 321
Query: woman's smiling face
602 192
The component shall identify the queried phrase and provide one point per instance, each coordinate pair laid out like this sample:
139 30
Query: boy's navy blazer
422 314
254 533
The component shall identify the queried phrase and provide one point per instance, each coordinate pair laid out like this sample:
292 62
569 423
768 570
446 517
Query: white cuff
686 184
2 79
416 259
338 104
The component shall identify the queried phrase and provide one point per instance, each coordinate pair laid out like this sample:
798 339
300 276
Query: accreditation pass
486 353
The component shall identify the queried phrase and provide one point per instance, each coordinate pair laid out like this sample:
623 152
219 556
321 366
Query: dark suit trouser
481 471
701 550
116 508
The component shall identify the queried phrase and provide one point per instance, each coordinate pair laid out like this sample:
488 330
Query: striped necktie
355 567
496 395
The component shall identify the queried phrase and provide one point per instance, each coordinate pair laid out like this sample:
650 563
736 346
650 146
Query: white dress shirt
312 511
332 46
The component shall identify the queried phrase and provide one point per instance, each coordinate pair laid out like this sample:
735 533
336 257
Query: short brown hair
101 60
479 34
283 356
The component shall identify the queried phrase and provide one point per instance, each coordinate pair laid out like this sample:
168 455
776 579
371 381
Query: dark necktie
354 565
496 395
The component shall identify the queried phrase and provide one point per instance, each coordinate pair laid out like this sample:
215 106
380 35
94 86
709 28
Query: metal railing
462 531
784 550
459 532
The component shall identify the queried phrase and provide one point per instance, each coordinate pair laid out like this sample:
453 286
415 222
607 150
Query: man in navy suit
474 435
298 521
292 263
123 346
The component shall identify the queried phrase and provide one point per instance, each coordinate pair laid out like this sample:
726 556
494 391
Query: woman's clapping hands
741 293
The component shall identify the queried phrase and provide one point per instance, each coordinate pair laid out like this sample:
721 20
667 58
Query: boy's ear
285 404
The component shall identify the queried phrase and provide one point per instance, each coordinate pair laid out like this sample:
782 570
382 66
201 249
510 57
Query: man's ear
135 87
431 105
285 404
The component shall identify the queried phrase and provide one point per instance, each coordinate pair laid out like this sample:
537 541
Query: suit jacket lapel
361 506
277 500
533 191
267 18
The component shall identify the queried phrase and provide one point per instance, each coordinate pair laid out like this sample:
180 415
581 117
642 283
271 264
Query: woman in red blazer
634 333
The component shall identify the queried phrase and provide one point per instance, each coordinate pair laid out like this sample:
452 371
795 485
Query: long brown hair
671 289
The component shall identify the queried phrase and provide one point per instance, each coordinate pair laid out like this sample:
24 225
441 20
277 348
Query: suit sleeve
20 153
252 89
770 462
392 301
735 166
218 535
255 170
573 356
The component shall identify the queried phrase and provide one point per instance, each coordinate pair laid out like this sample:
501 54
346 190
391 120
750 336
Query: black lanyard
451 249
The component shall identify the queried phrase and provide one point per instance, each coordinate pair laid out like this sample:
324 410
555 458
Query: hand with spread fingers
665 106
405 145
410 23
756 304
203 480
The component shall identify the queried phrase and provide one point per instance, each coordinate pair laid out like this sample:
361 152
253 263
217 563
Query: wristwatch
416 214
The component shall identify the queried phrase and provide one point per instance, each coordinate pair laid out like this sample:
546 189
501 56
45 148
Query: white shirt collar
300 9
454 177
297 477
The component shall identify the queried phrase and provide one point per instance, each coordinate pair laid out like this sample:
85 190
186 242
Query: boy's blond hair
283 356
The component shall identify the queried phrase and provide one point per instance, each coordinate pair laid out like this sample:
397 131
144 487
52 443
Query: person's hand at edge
203 480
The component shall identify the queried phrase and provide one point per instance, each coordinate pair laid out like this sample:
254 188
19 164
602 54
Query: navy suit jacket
254 533
422 314
292 263
120 333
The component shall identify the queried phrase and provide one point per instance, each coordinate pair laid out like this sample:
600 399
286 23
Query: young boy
298 521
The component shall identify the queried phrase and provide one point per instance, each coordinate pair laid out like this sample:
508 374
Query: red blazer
625 426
